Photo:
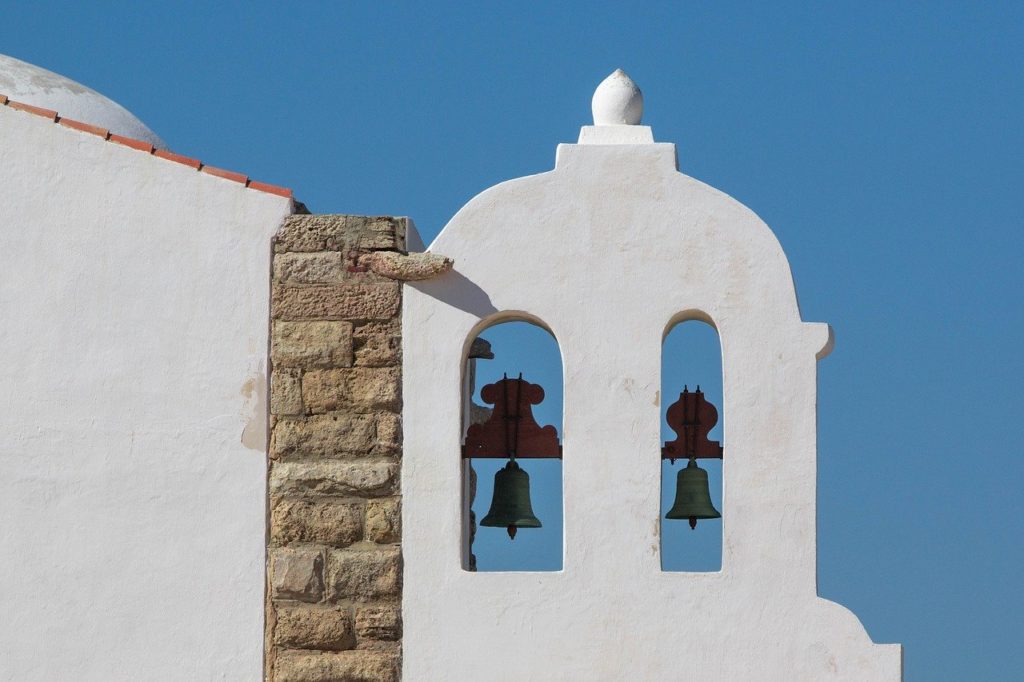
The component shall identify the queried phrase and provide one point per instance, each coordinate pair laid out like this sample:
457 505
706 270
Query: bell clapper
693 523
511 532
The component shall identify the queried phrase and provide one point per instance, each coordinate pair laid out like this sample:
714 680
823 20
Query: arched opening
512 420
691 424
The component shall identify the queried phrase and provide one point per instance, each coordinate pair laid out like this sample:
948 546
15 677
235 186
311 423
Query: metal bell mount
692 417
511 433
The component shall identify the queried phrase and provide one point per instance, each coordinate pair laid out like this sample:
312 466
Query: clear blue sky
881 141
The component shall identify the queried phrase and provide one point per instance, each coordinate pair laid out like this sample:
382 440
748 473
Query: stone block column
334 536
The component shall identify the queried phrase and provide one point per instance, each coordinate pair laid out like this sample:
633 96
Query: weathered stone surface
296 574
389 430
341 233
302 627
361 389
336 301
285 392
383 520
315 343
411 267
325 435
390 327
380 232
321 267
367 478
328 522
378 343
367 665
335 517
380 622
363 574
378 351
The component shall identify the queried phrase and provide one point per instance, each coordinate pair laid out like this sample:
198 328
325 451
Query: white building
134 472
133 365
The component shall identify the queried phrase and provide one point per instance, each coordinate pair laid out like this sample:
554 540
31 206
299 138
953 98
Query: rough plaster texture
616 234
133 365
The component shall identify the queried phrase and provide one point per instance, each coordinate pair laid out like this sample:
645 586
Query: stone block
378 350
328 522
363 574
310 232
361 389
340 478
325 435
296 574
286 392
379 622
383 520
322 267
389 430
380 232
369 665
317 343
336 301
345 233
303 627
390 327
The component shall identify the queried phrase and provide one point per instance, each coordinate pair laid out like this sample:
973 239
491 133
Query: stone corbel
411 267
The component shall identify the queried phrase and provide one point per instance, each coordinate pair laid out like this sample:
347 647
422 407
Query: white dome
24 82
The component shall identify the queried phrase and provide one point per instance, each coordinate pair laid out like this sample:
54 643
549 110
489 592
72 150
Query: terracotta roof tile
272 189
226 174
178 158
141 145
84 127
38 111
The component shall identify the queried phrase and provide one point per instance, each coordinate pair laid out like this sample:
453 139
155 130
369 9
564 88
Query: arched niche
691 361
508 346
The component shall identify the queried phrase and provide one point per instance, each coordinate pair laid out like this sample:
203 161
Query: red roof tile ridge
147 147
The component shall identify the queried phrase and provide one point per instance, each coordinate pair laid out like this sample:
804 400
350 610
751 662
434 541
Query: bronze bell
693 496
510 506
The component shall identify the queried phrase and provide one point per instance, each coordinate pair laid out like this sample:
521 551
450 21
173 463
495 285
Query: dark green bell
693 496
510 506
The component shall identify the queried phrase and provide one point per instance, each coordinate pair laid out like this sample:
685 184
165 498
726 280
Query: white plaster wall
134 307
608 250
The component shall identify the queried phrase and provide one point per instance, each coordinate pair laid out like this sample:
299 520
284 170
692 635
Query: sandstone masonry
334 555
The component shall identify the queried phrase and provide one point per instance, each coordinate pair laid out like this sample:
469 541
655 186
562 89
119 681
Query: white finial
617 101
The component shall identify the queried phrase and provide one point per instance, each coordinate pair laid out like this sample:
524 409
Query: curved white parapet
608 249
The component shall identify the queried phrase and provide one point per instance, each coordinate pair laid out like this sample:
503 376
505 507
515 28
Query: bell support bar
692 417
511 431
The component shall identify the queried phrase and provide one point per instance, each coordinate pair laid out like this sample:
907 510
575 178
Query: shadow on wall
458 291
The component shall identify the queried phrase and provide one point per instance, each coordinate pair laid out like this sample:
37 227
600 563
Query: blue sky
881 141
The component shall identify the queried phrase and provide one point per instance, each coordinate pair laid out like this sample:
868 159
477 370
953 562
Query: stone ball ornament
617 101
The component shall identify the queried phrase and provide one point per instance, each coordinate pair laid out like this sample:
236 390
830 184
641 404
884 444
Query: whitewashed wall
133 342
609 250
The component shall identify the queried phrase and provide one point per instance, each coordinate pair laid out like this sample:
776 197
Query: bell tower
609 250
